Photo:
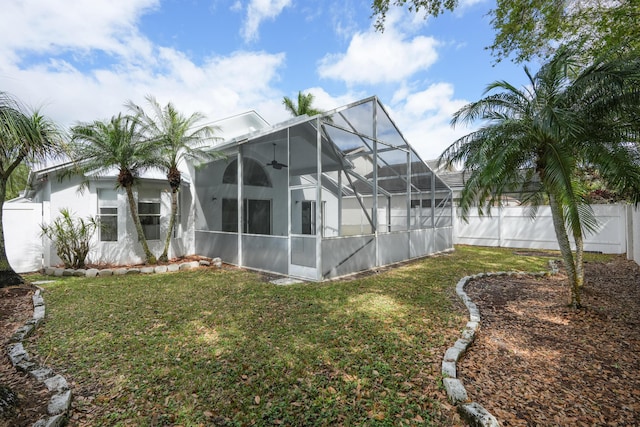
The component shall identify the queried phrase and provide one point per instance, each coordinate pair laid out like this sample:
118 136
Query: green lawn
226 348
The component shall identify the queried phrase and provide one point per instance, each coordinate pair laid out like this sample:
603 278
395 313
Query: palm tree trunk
8 277
150 258
565 250
579 268
172 223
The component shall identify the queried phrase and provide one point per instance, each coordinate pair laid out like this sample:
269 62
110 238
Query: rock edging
472 412
158 269
60 403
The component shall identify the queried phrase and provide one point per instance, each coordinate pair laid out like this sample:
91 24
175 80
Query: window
108 215
257 216
149 213
252 174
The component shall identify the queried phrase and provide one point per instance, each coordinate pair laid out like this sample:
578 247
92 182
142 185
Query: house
312 197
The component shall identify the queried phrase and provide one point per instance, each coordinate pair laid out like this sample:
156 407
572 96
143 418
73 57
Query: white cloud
373 57
58 25
258 11
63 36
424 116
220 87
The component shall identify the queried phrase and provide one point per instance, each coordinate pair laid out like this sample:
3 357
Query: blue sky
81 60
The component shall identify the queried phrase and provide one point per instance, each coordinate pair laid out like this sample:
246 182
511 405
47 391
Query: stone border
472 412
60 402
158 269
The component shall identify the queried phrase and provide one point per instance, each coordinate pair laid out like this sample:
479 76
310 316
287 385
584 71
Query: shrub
71 237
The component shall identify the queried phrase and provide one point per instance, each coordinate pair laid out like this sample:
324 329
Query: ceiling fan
274 163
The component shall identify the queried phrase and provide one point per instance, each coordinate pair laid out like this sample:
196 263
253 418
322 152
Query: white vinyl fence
633 233
21 225
512 227
507 227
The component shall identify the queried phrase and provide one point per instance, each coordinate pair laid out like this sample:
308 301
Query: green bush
72 237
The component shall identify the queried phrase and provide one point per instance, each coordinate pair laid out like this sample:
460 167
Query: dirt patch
16 307
537 362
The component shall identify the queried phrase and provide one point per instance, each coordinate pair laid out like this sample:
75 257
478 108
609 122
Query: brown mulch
16 307
536 362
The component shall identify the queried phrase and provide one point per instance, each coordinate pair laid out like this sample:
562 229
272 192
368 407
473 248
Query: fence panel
512 227
21 224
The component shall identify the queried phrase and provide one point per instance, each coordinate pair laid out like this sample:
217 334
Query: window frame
107 203
148 198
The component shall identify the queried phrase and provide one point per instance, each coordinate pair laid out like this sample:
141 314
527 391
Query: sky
82 60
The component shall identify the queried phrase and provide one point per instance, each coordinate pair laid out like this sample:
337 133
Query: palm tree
100 146
176 138
24 136
17 181
304 106
568 118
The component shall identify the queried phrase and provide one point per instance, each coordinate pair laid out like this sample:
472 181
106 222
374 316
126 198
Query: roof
245 123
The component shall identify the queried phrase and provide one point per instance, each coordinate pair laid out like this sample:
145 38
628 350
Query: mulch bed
536 362
16 307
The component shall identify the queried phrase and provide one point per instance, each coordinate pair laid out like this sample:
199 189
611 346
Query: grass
226 348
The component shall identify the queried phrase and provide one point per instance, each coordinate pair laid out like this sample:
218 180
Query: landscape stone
56 383
59 403
160 269
477 416
49 271
462 344
68 272
452 354
468 334
173 267
105 272
22 332
217 262
119 271
133 271
204 263
189 265
26 366
38 312
473 325
55 421
17 354
81 272
42 373
147 270
58 272
449 369
37 299
455 390
92 272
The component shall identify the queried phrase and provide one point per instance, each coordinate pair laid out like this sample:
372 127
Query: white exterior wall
512 227
23 243
55 195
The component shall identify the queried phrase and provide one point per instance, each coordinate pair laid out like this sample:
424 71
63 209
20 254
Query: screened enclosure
321 197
